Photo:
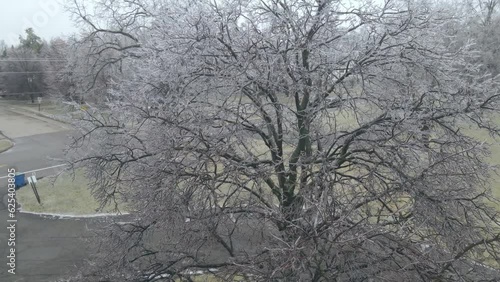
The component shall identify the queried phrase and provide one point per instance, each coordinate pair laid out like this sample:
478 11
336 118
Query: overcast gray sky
47 17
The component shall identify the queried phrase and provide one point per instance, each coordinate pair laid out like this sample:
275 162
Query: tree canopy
290 140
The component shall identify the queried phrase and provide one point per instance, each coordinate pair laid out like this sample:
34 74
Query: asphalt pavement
47 248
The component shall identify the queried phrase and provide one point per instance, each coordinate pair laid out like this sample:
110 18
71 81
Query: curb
40 114
36 115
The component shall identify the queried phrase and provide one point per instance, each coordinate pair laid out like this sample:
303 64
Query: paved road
35 152
46 248
15 123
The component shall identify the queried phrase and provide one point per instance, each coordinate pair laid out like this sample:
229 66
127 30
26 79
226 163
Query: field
494 158
66 195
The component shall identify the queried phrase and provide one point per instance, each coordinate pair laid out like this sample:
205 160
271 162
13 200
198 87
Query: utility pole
30 85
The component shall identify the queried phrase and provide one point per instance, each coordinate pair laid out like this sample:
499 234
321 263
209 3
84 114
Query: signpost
39 99
32 180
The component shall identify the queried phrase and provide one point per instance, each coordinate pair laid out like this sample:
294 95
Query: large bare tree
288 140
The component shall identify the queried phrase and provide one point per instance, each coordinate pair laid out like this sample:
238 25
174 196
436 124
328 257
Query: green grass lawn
65 195
494 158
346 120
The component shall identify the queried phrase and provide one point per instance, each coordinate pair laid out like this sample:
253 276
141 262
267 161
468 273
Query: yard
67 194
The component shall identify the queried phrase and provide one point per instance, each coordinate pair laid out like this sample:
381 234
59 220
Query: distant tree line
33 68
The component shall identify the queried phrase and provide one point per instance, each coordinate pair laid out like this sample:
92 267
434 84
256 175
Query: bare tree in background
481 26
3 49
289 140
23 74
57 77
485 9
